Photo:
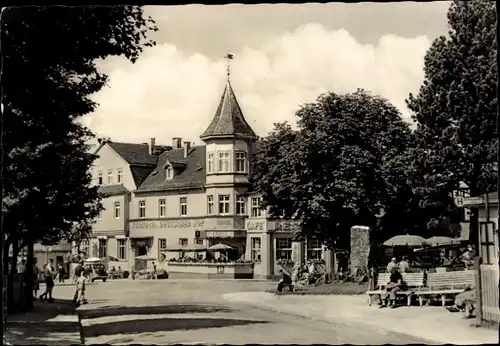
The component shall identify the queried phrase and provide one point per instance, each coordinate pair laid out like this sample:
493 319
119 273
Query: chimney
176 143
187 148
151 146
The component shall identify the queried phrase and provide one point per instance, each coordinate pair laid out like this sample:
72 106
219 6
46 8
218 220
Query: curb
333 320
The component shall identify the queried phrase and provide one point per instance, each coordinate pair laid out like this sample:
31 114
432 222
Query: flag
229 56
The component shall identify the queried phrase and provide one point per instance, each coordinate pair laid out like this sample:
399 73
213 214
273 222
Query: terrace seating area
425 285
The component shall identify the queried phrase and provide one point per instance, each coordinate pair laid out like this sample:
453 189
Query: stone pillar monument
360 248
298 252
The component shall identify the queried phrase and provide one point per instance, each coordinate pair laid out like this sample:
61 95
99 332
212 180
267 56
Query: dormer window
169 172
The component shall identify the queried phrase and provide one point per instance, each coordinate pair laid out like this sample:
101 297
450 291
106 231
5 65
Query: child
80 286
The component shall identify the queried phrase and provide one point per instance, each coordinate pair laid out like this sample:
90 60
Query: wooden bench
115 275
414 283
447 284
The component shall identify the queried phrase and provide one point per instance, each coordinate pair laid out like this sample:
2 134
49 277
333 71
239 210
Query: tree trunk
29 279
11 304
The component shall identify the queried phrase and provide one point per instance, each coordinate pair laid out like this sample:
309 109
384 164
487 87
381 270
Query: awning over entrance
134 237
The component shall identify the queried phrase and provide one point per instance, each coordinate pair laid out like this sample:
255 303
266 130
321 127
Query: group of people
450 259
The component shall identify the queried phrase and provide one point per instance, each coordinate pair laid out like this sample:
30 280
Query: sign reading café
167 224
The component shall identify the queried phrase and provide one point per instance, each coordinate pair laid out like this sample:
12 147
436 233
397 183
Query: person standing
21 268
36 277
155 273
78 272
80 288
48 274
61 273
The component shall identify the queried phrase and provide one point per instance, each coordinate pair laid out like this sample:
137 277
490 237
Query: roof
228 119
134 154
192 176
112 190
139 173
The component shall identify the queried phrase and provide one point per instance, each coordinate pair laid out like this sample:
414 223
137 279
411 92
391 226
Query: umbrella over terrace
405 240
441 240
220 247
146 258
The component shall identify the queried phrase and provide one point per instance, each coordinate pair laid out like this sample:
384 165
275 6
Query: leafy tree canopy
49 74
455 109
331 173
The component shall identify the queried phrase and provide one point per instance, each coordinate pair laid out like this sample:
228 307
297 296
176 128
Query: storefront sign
255 225
225 223
232 223
224 234
286 226
167 224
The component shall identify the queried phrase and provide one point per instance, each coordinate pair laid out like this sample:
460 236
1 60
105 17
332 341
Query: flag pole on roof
229 56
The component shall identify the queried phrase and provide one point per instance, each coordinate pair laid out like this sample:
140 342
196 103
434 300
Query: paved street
194 311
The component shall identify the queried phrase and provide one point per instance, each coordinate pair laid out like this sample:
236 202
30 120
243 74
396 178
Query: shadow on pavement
161 325
106 311
34 327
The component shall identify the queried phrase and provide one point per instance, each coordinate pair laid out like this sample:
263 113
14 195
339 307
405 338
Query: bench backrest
410 279
453 280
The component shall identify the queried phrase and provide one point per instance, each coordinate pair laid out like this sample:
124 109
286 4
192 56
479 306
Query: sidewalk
46 324
434 324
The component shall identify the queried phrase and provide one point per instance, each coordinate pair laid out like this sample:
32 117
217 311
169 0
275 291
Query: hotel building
176 201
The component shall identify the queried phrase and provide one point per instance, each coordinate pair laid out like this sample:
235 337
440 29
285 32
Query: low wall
210 270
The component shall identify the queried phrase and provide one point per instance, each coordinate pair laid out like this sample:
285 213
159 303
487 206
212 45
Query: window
119 176
162 247
110 176
183 241
198 241
84 247
99 178
184 206
256 212
241 161
169 173
122 248
255 254
314 249
103 244
210 162
210 205
117 210
283 248
240 205
162 207
224 204
142 209
489 246
224 161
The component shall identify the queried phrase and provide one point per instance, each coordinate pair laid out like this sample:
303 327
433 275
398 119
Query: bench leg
420 301
369 300
408 300
443 300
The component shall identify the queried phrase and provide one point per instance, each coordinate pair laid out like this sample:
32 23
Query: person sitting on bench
285 281
394 285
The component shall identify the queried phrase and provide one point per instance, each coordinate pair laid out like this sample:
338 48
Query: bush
126 274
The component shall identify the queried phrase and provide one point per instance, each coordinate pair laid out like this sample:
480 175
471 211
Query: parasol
440 240
405 240
110 258
93 260
146 258
220 247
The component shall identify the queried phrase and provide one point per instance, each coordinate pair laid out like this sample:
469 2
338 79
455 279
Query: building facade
176 201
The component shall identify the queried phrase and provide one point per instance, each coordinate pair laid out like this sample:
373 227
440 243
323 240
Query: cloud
168 93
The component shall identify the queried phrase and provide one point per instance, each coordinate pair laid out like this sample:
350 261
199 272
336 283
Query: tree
49 74
455 109
330 173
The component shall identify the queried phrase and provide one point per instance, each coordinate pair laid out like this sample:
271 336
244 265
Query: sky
284 56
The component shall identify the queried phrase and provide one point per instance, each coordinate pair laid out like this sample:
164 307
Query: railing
489 293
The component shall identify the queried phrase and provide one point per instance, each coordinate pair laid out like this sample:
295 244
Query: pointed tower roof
228 120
